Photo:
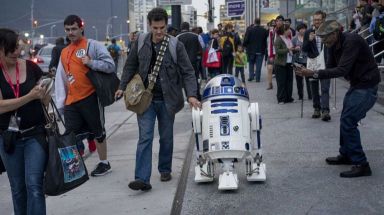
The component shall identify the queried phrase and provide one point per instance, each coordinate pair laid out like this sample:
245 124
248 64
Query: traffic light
34 23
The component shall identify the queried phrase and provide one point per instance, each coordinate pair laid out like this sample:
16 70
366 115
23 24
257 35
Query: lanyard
16 91
69 55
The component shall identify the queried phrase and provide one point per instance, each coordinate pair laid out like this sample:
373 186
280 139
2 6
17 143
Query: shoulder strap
172 45
141 37
159 59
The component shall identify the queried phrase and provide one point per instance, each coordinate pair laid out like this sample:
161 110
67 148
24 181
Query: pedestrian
214 45
167 95
300 57
55 55
288 22
349 57
271 52
376 28
194 50
283 65
75 94
240 62
316 51
115 52
255 42
22 121
227 44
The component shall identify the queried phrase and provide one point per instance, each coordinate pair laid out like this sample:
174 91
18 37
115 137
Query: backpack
378 30
113 52
227 47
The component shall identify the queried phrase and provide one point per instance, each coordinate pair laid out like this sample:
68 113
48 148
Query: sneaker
165 176
101 169
91 146
325 116
316 114
139 185
357 171
250 79
281 103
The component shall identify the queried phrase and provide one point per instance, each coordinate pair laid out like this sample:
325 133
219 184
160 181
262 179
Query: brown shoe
270 87
165 176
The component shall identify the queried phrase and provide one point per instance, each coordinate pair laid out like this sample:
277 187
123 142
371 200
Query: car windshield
46 51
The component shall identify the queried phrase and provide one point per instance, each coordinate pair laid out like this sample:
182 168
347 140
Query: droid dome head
225 86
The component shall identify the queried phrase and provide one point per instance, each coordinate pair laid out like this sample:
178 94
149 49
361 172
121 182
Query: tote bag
212 58
65 167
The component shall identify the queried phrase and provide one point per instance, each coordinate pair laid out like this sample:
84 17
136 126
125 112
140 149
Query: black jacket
191 44
352 58
55 56
310 47
255 40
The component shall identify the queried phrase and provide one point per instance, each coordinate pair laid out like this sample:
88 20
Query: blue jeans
252 60
321 102
146 122
357 102
25 169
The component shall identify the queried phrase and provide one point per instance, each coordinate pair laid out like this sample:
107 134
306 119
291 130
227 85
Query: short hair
157 14
280 17
72 19
219 25
301 26
257 21
59 41
288 20
228 26
184 26
322 13
214 31
113 41
8 40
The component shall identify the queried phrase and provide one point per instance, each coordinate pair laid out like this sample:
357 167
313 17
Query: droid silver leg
205 172
255 168
228 179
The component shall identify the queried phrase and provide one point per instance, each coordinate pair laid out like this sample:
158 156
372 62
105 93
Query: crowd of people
312 55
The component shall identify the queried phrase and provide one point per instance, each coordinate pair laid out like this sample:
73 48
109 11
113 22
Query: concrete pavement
298 180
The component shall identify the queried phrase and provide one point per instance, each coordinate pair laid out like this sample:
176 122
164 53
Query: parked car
43 57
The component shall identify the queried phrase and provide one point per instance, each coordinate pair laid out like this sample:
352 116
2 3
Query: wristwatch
315 74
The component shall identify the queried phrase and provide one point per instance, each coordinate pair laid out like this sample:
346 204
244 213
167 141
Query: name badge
14 123
71 78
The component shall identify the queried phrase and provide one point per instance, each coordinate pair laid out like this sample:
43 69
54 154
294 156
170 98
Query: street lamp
108 24
128 25
94 27
52 26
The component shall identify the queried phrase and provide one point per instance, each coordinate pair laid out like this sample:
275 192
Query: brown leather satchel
137 98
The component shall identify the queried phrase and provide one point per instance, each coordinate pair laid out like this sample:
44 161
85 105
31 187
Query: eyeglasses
74 29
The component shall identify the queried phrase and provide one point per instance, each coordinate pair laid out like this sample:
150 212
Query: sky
202 6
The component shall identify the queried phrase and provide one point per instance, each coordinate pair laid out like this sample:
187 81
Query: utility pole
176 16
32 23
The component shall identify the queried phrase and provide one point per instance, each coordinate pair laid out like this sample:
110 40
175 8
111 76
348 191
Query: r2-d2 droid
229 126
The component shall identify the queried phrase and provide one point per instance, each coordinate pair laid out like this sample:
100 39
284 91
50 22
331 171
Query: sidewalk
110 194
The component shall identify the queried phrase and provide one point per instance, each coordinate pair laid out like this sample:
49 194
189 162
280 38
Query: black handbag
106 84
65 167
